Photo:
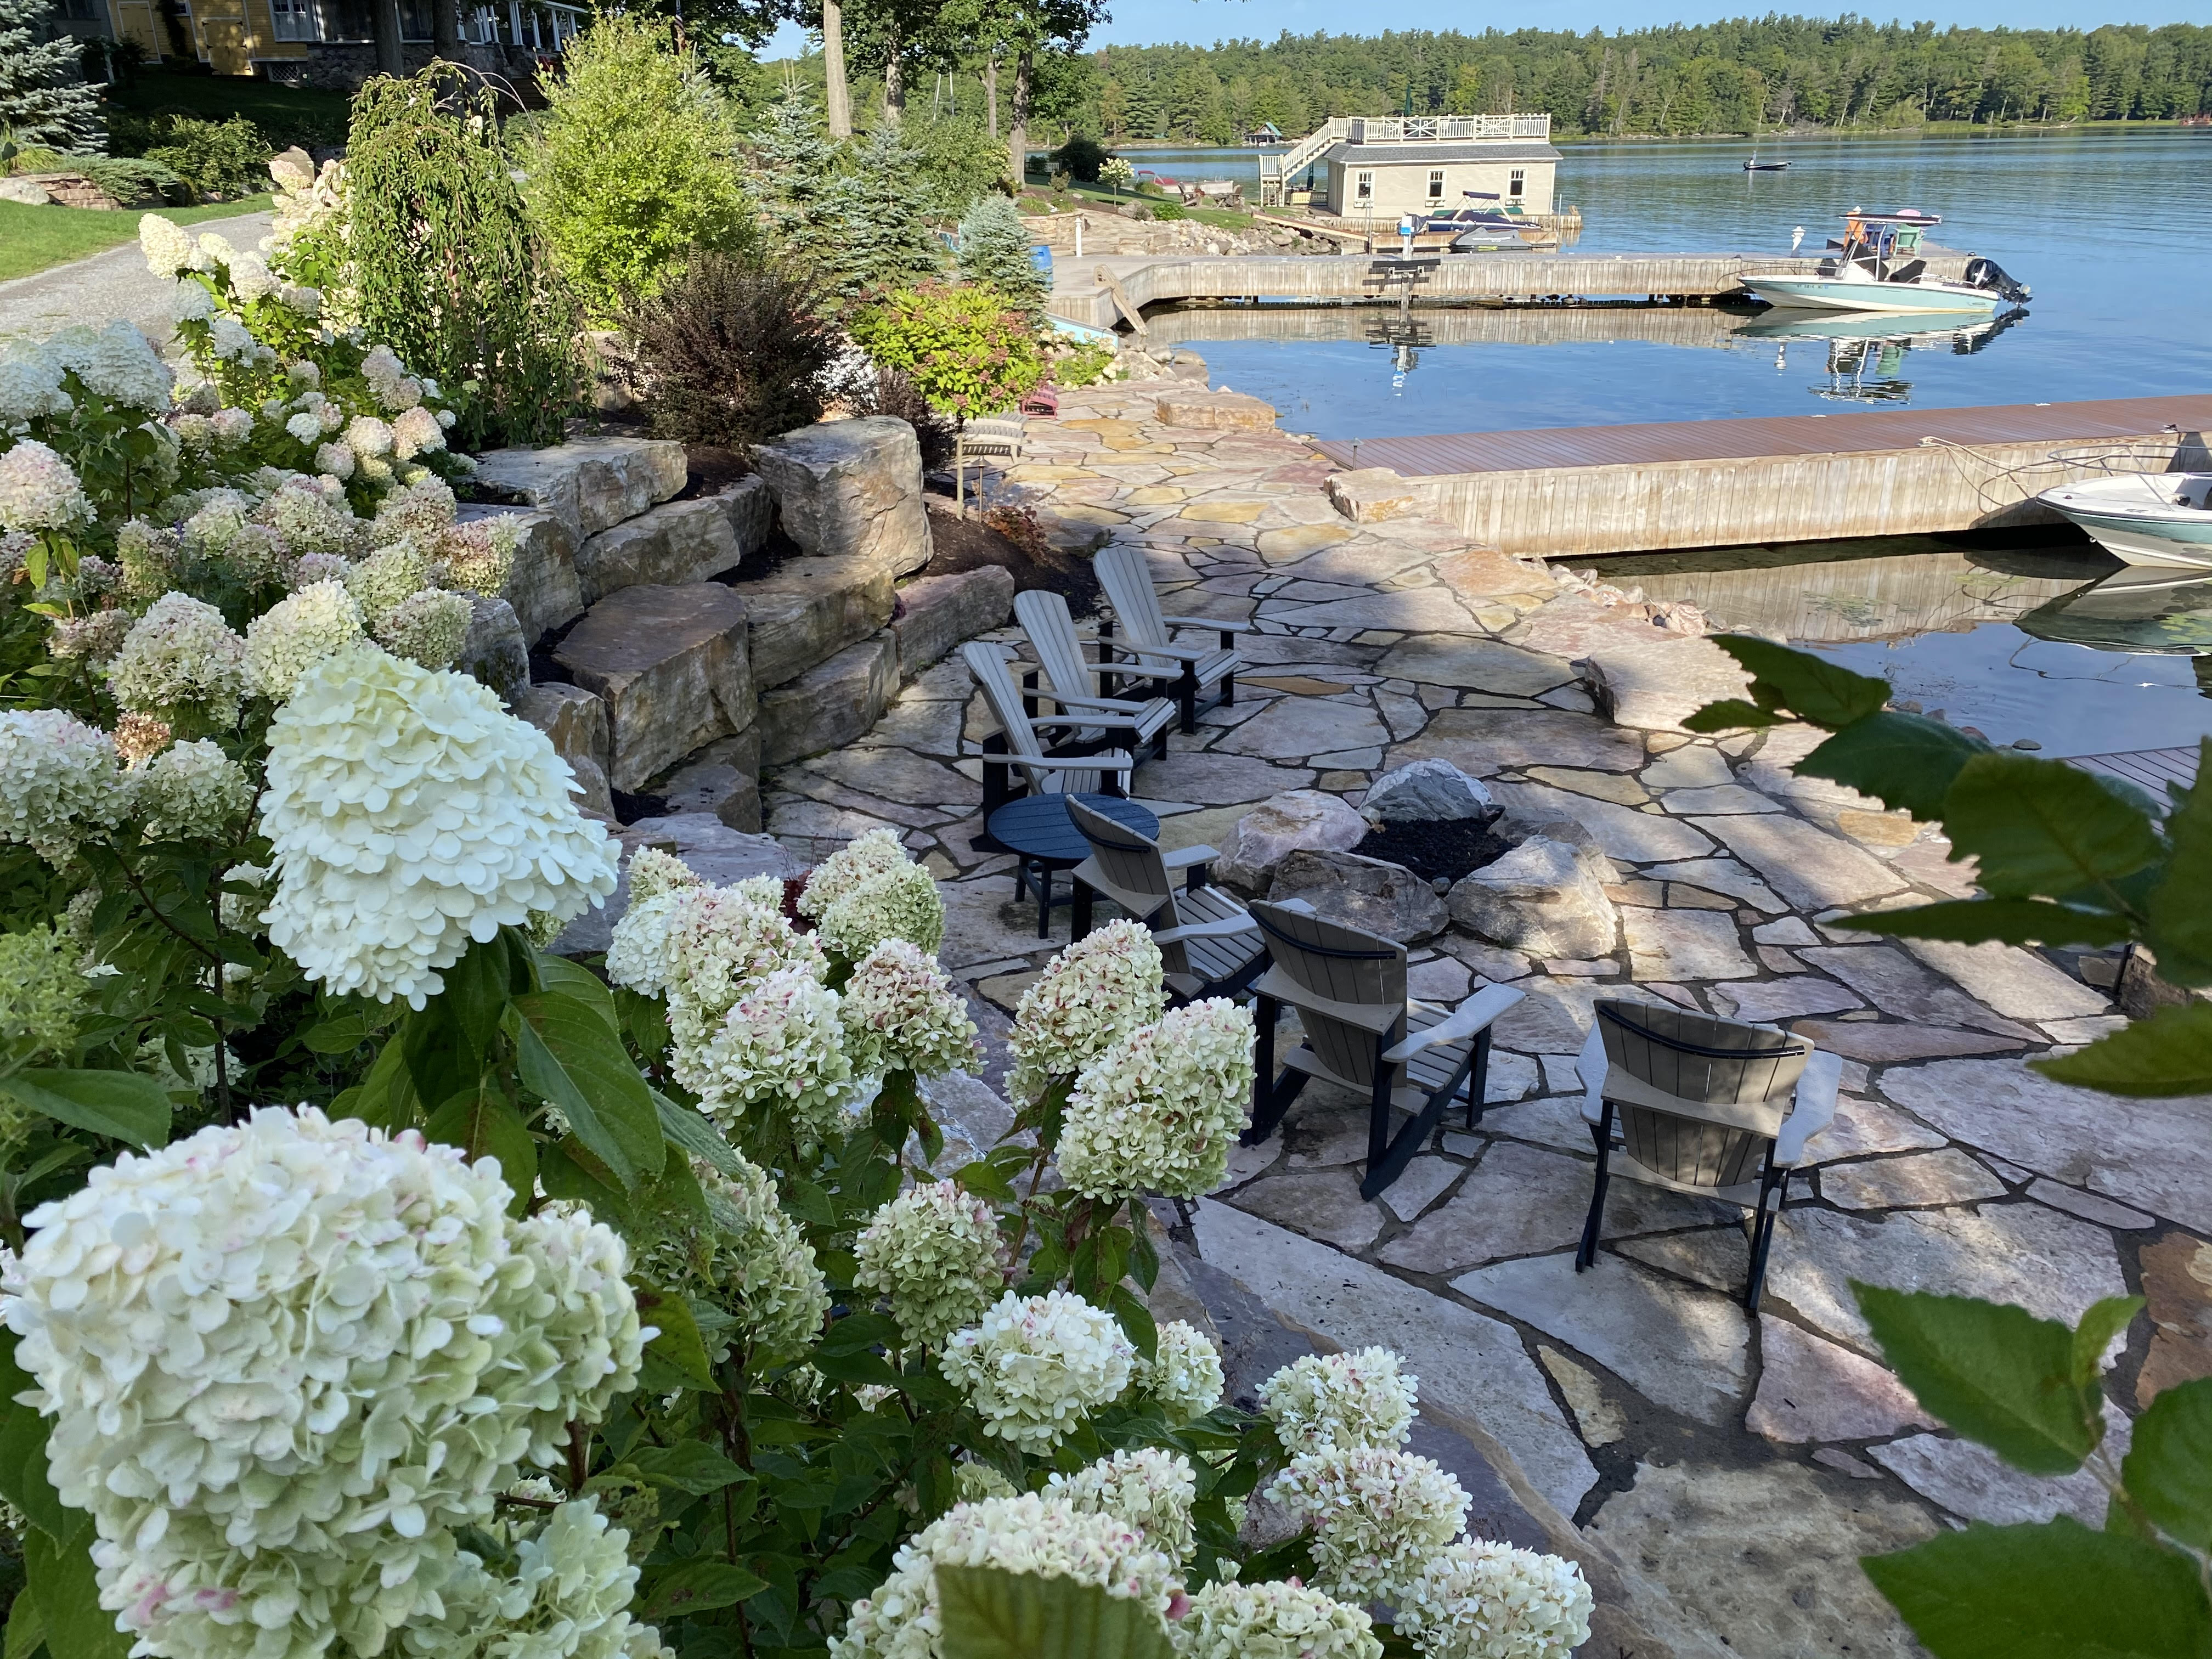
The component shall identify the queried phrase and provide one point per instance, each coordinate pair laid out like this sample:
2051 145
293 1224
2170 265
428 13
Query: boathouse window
294 20
1436 184
1364 189
1518 185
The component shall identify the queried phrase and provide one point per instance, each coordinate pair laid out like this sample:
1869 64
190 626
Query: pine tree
995 249
44 97
798 168
882 239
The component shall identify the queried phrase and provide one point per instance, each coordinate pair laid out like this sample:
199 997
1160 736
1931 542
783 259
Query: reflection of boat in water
1867 353
2145 518
1879 269
2134 609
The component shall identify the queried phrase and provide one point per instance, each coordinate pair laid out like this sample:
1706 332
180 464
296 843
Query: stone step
589 484
677 541
833 703
806 610
852 489
671 663
939 612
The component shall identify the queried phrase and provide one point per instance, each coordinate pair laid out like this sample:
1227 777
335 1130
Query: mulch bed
709 469
1446 848
964 543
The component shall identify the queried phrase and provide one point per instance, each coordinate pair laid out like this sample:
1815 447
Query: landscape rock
572 717
595 794
806 610
1809 1389
719 854
1223 410
589 484
1473 664
1948 1176
1655 684
542 584
1369 495
1811 868
852 489
2177 1282
665 547
1486 741
1542 898
1302 820
494 652
722 778
1672 945
1425 791
671 666
833 703
1973 1481
939 612
1372 895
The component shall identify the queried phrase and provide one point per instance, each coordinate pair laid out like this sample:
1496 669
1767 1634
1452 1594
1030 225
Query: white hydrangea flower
780 1049
312 515
935 1254
30 385
1159 1110
232 426
191 304
388 578
285 1359
637 953
190 790
410 814
901 903
902 1014
652 872
1026 1534
167 248
369 436
1379 1517
860 859
415 433
421 511
722 941
1273 1620
1151 1489
293 635
749 1258
428 626
1090 996
231 340
115 363
181 655
335 460
1035 1368
38 491
217 521
1360 1400
306 426
1478 1599
1184 1374
570 1596
250 277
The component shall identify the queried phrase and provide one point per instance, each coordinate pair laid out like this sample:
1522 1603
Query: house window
1363 188
1436 184
1518 184
295 20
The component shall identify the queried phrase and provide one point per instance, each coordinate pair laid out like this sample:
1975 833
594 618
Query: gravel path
115 283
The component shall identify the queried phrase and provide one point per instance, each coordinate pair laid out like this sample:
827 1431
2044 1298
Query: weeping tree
44 96
452 274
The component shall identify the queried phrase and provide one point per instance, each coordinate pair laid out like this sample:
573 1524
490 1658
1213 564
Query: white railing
1397 129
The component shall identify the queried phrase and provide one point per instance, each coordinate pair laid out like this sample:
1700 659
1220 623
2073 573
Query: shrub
631 171
968 350
894 393
995 250
1084 365
132 181
1169 210
214 158
1082 157
44 99
961 163
733 351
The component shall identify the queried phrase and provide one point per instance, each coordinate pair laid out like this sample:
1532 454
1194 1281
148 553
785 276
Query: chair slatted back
1728 1084
989 669
1337 964
1127 581
1043 617
1133 863
1691 1151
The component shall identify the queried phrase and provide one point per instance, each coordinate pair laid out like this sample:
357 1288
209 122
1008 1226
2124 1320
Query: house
1368 167
327 43
1265 134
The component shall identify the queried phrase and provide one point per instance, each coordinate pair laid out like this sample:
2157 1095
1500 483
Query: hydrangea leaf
697 1586
126 1106
572 1058
677 1352
2181 921
60 1572
2015 921
2168 1053
2041 827
988 1613
1810 687
691 1466
689 1130
1905 761
486 1125
26 1629
2168 1470
23 1480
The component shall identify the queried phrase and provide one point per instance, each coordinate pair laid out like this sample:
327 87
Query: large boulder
1221 410
722 778
832 703
576 721
494 651
852 489
541 585
590 485
1541 898
670 665
1372 494
939 612
806 610
666 546
1426 791
1370 893
1302 820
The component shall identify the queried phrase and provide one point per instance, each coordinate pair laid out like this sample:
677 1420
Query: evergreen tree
995 249
882 239
44 96
799 164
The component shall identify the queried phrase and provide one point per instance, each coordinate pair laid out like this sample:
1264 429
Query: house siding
1402 186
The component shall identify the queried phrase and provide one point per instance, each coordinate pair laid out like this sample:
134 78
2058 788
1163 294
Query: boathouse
1380 166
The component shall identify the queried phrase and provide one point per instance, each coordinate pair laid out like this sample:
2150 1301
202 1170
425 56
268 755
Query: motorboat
1878 267
2143 518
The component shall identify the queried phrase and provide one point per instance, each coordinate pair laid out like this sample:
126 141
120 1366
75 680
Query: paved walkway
115 283
1742 1464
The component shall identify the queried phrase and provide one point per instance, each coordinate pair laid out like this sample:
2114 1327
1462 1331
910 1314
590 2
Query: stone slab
2177 1283
1657 684
936 613
1473 664
2017 983
808 610
1625 833
1894 982
1973 1481
852 489
1230 411
671 666
1810 1389
1370 495
834 702
589 484
542 584
1322 1204
1776 1001
666 546
1373 895
1811 868
1948 1176
1291 728
1884 1044
1683 944
1487 741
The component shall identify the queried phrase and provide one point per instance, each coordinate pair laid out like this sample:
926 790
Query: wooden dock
1438 325
2152 769
1575 492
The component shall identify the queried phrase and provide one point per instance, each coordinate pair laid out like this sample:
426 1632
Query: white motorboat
1877 267
2144 518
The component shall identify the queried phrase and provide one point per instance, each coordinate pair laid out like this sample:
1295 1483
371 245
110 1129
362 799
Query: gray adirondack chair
1363 1032
1209 943
1713 1107
1147 645
1072 681
1015 748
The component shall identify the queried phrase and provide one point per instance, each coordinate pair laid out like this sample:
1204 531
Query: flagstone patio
1731 1467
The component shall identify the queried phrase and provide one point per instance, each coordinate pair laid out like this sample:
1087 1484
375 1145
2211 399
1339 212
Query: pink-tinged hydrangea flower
1479 1599
1030 1533
569 1597
410 814
1151 1489
38 490
1033 1369
1358 1400
1092 995
901 903
1274 1619
422 512
1379 1517
902 1014
1159 1110
778 1052
232 426
335 460
415 433
748 1257
428 626
181 656
479 556
369 436
1184 1374
860 859
722 941
935 1254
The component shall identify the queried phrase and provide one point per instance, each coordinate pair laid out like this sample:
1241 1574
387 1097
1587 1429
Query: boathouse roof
1430 154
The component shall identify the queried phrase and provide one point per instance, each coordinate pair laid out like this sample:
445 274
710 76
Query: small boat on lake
1878 268
1755 164
2144 518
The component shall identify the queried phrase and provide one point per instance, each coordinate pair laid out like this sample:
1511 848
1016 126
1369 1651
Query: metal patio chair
1150 650
1363 1032
1071 680
990 435
1209 941
1014 747
1711 1107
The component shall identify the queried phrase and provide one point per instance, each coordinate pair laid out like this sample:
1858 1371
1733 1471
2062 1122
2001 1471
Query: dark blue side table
1042 838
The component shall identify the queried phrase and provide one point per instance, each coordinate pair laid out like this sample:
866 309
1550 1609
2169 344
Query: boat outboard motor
1988 273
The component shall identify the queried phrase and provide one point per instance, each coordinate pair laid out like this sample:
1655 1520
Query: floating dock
2150 769
1576 492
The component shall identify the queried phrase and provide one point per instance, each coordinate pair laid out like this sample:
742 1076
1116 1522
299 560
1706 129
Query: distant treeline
1751 74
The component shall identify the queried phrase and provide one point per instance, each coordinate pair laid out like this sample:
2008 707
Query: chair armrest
1111 760
1089 715
1590 1067
1180 653
1184 857
1208 621
1475 1015
1226 927
1108 705
1812 1109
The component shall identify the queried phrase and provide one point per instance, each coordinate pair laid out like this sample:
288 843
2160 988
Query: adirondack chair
1015 748
1071 681
1209 941
1148 642
1712 1107
1364 1033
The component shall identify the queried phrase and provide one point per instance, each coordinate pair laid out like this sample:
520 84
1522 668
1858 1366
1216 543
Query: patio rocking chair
1710 1108
1365 1034
1150 650
1209 941
1014 747
1071 681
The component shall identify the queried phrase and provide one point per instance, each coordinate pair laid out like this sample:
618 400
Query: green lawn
34 238
291 114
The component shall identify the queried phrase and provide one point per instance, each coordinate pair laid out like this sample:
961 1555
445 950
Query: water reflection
2053 641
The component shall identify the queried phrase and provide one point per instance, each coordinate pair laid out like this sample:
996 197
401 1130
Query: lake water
2112 230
